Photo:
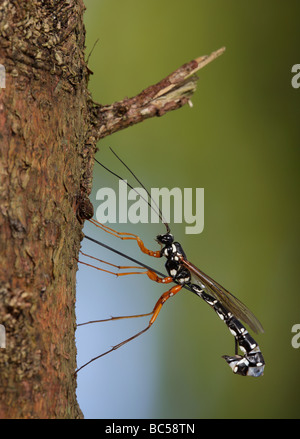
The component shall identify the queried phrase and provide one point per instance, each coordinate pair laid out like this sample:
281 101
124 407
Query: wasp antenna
143 186
121 178
157 210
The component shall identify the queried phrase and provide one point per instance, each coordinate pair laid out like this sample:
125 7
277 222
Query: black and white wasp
186 275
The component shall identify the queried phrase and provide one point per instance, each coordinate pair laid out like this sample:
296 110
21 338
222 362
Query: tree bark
49 127
45 173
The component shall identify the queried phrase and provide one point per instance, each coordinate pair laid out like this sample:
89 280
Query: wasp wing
232 303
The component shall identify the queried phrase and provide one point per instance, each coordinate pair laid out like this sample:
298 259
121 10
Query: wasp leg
126 236
156 310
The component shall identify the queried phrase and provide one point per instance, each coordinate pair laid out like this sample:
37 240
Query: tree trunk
45 174
48 130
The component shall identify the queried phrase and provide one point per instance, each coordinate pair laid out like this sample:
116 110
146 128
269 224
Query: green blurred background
240 142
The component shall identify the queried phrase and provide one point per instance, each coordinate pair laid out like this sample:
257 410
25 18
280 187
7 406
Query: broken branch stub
170 93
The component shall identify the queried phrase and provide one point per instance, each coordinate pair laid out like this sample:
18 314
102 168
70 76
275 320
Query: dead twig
170 93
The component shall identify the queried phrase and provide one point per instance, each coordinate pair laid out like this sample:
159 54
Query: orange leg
120 267
156 310
155 254
153 276
163 298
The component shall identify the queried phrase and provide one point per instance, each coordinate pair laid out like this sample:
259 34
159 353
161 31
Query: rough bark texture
48 130
45 174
